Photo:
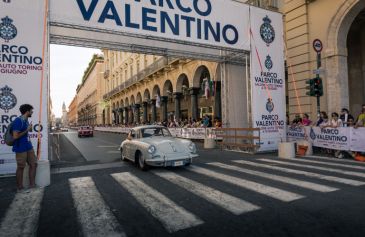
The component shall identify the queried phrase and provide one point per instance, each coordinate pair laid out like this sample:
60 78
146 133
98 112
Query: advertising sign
218 23
22 69
268 77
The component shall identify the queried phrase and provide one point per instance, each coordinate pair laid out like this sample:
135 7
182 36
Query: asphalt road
222 194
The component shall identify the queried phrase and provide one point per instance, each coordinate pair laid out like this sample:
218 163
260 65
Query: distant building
89 94
72 112
64 119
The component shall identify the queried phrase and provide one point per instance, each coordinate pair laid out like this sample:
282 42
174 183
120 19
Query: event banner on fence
343 138
267 77
23 44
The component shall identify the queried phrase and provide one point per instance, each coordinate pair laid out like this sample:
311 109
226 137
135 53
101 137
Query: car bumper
178 161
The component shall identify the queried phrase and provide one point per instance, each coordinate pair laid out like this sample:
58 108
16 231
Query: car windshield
152 132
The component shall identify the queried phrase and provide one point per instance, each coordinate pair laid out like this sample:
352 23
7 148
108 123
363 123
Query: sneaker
340 156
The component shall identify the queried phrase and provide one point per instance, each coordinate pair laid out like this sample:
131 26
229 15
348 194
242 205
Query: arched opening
156 99
356 63
167 105
203 88
337 71
182 86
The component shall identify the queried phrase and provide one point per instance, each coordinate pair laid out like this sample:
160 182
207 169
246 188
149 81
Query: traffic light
310 88
318 86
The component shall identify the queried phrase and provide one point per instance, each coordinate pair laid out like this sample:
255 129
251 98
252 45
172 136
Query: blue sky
66 70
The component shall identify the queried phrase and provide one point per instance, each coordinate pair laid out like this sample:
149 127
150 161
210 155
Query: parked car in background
154 146
64 129
85 131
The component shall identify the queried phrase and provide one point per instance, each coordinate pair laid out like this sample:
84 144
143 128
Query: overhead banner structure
23 79
207 22
267 77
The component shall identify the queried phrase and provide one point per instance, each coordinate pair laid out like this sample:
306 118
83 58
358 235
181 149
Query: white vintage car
154 146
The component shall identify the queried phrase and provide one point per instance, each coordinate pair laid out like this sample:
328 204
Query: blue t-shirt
23 143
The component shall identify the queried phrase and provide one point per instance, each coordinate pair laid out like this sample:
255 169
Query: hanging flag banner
267 77
23 44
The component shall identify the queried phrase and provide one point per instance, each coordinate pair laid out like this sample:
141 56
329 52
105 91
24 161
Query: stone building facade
340 25
147 89
89 94
72 112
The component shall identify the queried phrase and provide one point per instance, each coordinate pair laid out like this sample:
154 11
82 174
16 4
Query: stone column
126 115
177 97
136 113
194 102
164 100
218 100
131 114
144 106
121 115
153 108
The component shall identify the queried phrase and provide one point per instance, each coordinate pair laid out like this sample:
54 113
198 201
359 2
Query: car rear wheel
142 165
121 155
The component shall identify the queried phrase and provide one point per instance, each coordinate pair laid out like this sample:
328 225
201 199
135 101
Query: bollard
43 176
287 150
209 143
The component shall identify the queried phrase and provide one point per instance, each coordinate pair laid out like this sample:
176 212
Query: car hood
167 144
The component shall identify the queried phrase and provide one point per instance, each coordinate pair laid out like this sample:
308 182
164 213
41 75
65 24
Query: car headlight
192 147
151 149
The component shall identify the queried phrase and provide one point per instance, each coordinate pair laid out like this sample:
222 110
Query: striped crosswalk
271 179
94 215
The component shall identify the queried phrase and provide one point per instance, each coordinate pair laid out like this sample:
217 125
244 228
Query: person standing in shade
23 147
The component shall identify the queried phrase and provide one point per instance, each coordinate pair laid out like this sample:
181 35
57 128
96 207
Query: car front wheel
142 165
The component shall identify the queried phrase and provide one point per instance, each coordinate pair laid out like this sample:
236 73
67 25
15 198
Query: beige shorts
25 157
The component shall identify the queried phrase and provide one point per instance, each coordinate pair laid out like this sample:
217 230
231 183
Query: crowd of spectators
205 122
344 119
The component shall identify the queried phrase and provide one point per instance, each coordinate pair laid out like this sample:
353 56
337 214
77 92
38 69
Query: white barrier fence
342 138
190 133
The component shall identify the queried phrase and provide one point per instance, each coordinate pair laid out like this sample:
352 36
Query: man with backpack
23 147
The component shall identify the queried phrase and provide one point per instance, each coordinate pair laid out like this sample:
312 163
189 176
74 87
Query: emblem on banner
312 134
7 99
7 1
267 32
8 31
268 63
269 105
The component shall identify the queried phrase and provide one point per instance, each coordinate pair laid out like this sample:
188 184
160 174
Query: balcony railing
150 70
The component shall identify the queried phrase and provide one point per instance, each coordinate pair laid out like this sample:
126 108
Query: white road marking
283 179
21 218
305 173
316 168
331 164
94 215
276 193
172 217
226 201
86 167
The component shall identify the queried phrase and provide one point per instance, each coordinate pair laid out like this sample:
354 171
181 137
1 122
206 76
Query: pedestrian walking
23 147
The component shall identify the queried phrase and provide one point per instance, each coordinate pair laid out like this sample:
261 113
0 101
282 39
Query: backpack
8 136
